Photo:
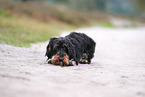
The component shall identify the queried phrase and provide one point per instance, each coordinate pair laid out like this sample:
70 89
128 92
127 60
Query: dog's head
58 51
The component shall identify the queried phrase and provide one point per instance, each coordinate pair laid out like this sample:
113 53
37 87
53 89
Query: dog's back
86 43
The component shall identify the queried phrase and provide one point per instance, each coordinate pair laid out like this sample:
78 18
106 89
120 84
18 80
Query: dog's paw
83 61
72 63
49 61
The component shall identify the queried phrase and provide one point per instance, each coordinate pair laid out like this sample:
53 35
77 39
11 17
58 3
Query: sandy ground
117 70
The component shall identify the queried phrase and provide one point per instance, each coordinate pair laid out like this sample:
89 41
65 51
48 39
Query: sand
117 70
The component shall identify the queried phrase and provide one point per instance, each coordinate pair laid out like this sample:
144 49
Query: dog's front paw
72 63
49 61
83 61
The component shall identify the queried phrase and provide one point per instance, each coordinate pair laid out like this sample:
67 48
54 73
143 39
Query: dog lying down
70 50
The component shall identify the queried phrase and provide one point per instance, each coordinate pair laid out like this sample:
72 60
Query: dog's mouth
59 63
62 61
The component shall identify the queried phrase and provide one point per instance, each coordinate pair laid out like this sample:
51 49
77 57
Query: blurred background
121 7
29 21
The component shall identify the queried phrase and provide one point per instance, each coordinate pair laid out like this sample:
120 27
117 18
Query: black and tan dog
70 50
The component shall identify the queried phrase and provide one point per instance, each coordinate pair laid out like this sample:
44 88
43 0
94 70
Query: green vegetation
45 12
23 31
5 14
22 23
104 24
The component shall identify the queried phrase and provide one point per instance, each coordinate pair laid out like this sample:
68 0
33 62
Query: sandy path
118 69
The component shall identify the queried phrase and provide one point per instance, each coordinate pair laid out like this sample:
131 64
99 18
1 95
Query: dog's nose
60 59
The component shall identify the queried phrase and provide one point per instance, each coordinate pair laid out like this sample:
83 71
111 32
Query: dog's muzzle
59 60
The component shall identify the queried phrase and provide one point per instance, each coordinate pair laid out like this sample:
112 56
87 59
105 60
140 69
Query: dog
70 50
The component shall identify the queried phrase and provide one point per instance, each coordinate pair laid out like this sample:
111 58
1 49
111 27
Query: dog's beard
55 60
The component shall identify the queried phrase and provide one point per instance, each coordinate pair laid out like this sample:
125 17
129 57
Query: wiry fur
78 48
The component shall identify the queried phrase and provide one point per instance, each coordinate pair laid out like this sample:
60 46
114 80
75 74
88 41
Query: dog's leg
49 61
89 58
89 61
73 63
84 59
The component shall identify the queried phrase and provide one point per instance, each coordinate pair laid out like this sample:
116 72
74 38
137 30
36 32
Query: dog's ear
47 51
49 48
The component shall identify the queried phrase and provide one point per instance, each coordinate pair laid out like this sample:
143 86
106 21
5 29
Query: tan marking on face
55 59
66 60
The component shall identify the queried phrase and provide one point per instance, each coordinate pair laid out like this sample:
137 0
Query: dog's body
71 50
